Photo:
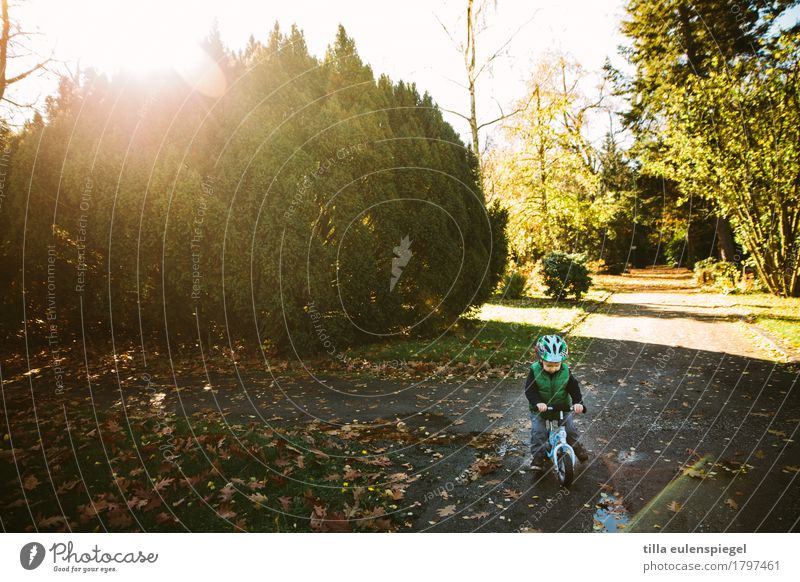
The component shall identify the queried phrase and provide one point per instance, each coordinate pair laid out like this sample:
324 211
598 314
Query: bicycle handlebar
559 408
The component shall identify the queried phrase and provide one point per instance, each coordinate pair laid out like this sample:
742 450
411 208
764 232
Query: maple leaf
694 473
153 503
135 502
317 520
447 510
319 454
226 493
113 426
337 522
379 461
165 517
68 486
397 477
258 498
479 515
225 511
120 519
30 482
51 521
351 474
164 483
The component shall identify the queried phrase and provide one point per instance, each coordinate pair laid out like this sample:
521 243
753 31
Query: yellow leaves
695 473
258 499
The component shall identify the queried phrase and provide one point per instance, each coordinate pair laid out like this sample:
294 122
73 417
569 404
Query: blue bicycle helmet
552 348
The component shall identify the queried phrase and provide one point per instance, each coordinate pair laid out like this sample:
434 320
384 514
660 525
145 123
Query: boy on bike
550 382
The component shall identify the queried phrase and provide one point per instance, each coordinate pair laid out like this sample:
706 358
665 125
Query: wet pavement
690 427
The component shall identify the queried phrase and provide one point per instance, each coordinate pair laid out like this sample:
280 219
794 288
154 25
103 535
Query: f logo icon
31 555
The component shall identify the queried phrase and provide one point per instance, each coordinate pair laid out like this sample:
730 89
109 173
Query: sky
406 40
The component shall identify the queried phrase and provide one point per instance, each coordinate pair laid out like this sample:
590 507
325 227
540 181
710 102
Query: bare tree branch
8 52
21 76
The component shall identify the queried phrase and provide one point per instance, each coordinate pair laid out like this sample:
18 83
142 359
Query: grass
502 334
780 315
165 474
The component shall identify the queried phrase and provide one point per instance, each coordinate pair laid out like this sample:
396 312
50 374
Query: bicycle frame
557 441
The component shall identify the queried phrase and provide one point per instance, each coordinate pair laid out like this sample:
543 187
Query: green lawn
780 315
502 333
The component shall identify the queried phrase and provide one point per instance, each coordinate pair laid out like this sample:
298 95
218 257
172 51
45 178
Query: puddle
506 447
628 457
610 515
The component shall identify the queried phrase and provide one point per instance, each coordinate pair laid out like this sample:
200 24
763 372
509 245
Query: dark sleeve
532 390
574 390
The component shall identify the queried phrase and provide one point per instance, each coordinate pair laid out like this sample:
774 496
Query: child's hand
578 408
542 407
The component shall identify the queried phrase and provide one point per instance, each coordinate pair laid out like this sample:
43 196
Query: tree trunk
725 244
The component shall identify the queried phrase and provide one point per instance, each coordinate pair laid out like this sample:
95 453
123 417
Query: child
550 382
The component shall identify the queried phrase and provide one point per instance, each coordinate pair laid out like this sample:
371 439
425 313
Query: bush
601 267
720 274
514 284
565 274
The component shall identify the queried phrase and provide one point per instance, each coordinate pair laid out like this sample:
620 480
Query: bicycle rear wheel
565 468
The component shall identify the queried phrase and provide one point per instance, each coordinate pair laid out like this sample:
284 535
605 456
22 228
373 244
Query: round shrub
565 274
513 285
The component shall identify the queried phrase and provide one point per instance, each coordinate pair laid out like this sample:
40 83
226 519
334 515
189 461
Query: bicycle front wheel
565 468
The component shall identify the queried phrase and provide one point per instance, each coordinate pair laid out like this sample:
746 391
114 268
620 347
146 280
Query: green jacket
550 389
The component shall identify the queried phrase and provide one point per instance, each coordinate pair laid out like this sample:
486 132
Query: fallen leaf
730 502
164 483
30 482
674 506
257 498
445 511
120 519
225 511
226 493
479 515
51 521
